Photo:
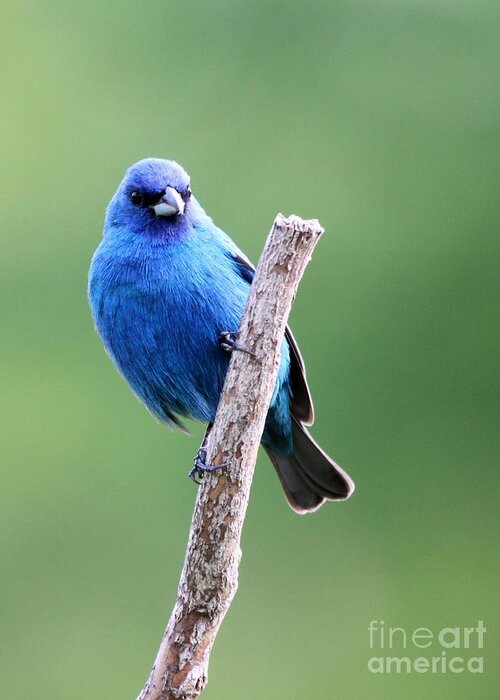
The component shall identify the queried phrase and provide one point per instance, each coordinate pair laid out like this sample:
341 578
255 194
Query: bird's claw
200 466
227 341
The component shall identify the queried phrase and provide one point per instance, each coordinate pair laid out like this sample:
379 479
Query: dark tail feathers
308 476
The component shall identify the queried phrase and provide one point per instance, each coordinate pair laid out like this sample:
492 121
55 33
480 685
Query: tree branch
209 577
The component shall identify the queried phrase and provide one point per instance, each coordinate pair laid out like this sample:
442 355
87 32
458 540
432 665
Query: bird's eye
137 199
186 194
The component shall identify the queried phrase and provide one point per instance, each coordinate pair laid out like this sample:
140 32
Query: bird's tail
308 475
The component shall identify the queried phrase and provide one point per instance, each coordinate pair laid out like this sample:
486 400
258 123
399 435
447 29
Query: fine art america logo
422 650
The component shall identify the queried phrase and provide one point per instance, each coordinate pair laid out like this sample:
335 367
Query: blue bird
167 288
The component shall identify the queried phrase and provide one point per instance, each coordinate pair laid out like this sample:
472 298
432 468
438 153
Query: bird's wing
302 406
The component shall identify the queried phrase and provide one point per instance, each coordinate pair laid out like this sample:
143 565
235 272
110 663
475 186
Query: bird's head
154 198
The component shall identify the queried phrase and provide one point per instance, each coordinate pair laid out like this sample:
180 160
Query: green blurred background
379 117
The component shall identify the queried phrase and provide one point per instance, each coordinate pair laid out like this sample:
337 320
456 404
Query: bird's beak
170 204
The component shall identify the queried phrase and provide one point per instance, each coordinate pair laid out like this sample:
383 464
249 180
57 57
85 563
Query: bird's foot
200 466
227 341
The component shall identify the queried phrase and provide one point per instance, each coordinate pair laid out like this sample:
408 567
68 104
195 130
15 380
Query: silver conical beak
170 204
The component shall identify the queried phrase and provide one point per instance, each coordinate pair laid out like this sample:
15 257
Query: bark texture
209 576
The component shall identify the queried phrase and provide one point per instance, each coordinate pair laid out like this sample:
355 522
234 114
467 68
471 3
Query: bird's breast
160 317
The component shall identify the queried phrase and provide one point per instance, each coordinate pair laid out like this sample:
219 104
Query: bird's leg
200 465
227 341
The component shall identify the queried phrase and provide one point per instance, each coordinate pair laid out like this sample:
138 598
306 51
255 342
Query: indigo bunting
167 290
